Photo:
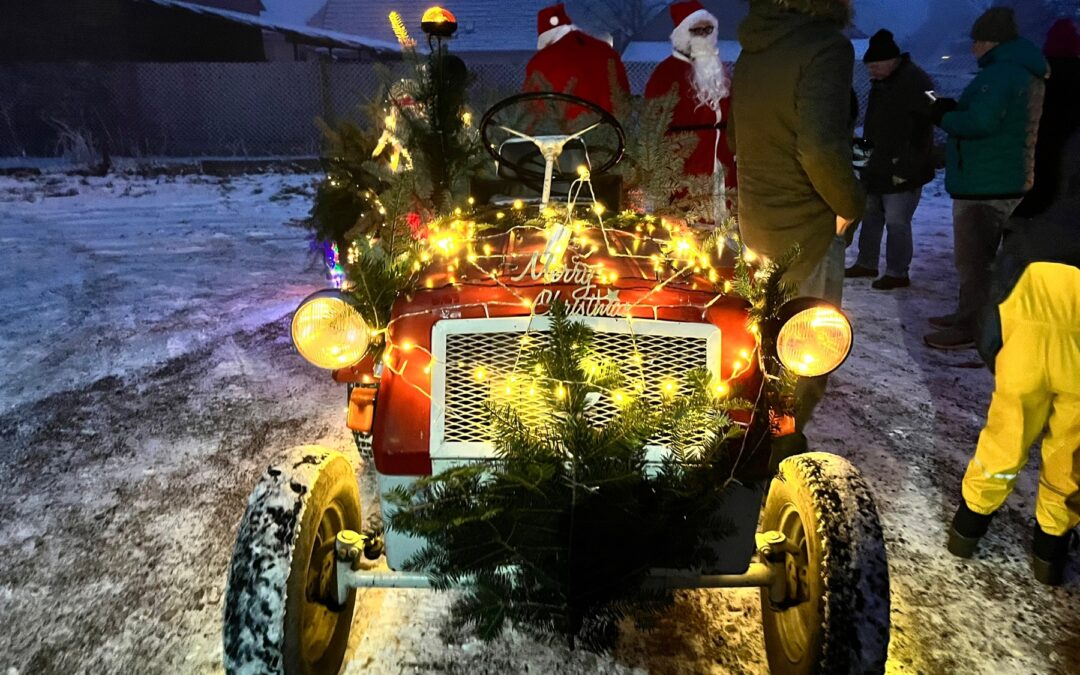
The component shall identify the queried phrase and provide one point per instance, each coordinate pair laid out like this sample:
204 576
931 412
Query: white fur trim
553 35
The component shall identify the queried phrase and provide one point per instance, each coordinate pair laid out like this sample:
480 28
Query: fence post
326 93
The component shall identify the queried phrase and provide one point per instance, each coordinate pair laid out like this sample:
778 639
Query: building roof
483 25
653 43
294 32
244 6
654 52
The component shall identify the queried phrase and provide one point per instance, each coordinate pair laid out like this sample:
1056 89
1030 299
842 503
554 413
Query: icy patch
103 282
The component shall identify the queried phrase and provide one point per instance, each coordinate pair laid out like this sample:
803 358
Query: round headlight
329 332
815 340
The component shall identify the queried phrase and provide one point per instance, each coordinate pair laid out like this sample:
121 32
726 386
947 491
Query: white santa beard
709 80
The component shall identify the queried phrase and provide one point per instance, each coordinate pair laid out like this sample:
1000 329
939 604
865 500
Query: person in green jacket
990 160
793 129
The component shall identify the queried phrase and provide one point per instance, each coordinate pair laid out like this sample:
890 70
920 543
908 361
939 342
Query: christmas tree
410 160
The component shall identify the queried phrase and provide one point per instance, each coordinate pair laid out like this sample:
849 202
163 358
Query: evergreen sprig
432 109
653 164
378 272
766 289
346 200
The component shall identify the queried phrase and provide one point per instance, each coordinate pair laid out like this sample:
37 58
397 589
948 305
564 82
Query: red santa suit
573 62
691 116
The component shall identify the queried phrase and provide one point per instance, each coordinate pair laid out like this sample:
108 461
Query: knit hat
882 47
552 17
1063 40
997 24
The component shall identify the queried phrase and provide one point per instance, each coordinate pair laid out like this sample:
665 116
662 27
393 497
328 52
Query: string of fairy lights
458 249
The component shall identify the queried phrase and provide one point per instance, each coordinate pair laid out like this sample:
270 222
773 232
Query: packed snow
149 381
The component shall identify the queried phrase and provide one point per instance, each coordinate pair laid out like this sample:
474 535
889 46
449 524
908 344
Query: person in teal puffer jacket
990 159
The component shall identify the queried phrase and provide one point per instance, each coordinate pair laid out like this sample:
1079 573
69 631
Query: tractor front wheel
837 618
281 615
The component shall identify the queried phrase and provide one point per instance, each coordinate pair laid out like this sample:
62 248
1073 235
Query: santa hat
685 15
552 17
682 11
1063 40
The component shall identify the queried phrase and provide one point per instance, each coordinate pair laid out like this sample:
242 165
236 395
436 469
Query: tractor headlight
814 339
328 331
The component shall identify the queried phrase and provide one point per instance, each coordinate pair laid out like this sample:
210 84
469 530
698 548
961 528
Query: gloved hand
941 106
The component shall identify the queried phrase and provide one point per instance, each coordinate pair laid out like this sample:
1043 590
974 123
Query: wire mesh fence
147 110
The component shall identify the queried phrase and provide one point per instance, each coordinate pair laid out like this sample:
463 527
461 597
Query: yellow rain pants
1037 384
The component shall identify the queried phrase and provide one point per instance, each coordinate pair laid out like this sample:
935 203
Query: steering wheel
549 145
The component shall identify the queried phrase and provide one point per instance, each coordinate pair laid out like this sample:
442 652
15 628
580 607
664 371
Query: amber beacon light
438 22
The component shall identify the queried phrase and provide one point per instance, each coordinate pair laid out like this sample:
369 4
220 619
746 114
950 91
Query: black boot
856 271
967 529
1049 555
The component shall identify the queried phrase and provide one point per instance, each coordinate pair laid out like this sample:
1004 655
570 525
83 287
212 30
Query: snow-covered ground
148 380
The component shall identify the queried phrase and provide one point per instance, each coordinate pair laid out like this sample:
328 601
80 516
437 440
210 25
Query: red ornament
416 225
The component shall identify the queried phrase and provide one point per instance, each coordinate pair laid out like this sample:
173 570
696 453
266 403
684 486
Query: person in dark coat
1060 117
793 143
989 162
899 126
793 133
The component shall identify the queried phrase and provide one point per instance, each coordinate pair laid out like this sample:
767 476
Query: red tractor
806 534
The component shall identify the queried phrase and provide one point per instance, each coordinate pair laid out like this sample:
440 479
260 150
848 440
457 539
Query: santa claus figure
570 61
695 72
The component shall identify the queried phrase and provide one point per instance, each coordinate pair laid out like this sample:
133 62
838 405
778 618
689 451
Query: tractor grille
464 395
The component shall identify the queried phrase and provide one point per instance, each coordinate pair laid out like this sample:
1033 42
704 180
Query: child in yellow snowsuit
1031 339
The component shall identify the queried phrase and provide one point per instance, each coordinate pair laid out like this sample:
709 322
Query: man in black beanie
898 124
990 160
